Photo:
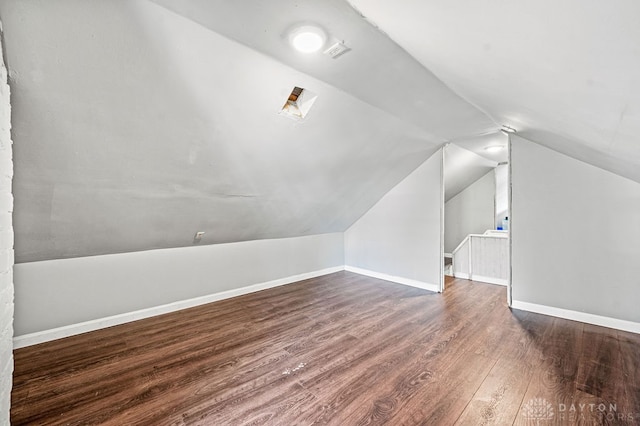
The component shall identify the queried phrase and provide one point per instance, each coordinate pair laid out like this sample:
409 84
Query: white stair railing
483 257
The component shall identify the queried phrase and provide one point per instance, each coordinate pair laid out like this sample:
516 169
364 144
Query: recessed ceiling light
307 38
494 148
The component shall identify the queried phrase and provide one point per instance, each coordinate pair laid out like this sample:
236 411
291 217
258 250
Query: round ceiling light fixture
307 38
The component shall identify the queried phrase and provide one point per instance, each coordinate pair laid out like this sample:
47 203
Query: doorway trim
442 195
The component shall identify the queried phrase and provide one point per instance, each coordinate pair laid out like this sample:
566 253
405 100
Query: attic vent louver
336 50
298 104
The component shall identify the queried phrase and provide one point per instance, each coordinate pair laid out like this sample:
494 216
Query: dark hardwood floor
342 349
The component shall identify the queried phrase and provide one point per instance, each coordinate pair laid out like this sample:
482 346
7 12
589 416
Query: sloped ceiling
564 74
463 167
136 125
467 160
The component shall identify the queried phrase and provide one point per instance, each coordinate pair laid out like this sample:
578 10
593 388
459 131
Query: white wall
57 293
6 248
575 235
401 235
469 212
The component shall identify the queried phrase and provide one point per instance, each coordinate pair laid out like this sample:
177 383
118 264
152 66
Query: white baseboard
614 323
489 280
448 255
92 325
392 278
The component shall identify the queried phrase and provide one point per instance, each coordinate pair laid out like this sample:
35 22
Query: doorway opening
476 182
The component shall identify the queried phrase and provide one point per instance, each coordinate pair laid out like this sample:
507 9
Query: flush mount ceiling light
307 38
494 148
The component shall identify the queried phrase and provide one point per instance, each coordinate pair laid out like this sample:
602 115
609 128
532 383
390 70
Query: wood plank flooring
342 349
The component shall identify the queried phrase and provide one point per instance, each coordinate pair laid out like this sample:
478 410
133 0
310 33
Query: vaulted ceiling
138 123
564 74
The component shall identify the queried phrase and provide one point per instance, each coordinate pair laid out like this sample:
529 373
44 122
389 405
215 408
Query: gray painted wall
575 234
6 248
400 235
469 212
62 292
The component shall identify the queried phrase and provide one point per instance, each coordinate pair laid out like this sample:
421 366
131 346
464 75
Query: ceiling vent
336 50
298 104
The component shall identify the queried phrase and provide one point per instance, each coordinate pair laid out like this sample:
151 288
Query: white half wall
67 292
400 237
575 235
6 247
470 212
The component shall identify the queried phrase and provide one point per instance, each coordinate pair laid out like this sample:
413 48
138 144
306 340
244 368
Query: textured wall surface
6 249
188 137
